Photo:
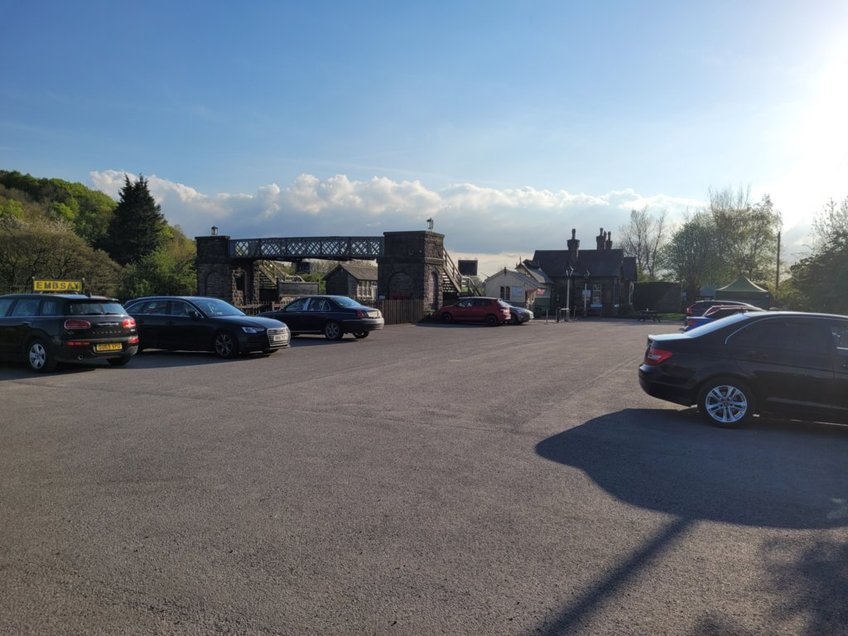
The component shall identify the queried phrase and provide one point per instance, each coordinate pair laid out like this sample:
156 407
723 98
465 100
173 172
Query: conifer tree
137 227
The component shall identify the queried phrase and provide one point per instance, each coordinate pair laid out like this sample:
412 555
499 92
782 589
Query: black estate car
333 316
789 364
199 323
46 329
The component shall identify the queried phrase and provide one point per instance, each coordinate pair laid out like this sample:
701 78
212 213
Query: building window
504 293
596 293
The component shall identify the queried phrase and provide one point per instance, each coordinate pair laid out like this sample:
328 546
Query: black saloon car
46 329
789 364
333 316
198 323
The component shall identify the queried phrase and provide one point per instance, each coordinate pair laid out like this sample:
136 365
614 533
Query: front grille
274 339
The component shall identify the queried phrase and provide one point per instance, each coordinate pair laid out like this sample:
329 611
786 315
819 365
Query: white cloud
499 227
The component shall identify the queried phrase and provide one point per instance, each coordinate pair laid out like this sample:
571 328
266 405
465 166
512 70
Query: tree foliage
51 249
643 238
88 211
732 237
168 270
820 281
137 228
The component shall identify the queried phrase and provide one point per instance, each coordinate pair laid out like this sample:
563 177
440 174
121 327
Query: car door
316 314
464 310
839 389
7 347
183 329
19 322
150 317
292 315
791 364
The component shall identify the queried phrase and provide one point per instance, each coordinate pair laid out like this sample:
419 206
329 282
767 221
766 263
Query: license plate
278 337
109 346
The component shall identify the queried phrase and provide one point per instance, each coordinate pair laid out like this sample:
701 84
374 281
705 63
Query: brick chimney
599 239
573 248
608 244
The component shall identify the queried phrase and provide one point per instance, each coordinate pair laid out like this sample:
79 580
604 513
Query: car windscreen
95 308
344 301
215 307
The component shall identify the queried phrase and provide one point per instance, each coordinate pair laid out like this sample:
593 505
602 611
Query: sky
507 123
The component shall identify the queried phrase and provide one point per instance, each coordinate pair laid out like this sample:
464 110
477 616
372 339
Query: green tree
137 228
820 281
691 255
168 270
44 249
746 235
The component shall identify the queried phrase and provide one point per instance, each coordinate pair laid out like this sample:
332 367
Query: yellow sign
57 285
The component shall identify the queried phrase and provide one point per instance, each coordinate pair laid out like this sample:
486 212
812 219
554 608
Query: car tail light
656 356
128 323
132 340
72 324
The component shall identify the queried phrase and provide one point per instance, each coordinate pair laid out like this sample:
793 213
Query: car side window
26 307
838 331
464 303
297 305
5 303
785 335
51 307
180 308
319 305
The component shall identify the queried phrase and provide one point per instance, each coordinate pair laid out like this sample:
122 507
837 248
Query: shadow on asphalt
772 474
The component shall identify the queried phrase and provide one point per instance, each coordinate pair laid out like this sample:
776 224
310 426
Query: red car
492 311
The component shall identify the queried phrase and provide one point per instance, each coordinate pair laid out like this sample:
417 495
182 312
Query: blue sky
509 123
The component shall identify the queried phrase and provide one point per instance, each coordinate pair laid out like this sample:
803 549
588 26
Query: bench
647 315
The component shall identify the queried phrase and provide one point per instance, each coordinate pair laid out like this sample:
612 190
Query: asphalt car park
432 479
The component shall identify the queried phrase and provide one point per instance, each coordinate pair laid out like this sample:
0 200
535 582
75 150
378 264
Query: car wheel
39 357
333 330
492 320
119 362
360 334
225 345
726 402
446 317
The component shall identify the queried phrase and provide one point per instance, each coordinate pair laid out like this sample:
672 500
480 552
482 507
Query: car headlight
252 329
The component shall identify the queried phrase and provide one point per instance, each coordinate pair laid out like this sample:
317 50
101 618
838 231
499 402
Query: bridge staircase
454 284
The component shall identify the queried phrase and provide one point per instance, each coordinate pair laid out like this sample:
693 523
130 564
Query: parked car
519 315
199 323
333 316
492 311
700 307
46 329
714 313
790 364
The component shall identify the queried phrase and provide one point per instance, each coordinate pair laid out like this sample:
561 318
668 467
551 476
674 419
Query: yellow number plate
111 346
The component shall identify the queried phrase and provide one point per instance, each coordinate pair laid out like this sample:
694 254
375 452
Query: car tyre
118 362
726 402
39 356
333 330
446 317
492 320
360 334
225 345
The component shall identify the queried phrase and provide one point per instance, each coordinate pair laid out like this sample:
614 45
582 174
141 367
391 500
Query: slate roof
599 263
356 270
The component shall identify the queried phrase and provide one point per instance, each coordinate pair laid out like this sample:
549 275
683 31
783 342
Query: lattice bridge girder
294 249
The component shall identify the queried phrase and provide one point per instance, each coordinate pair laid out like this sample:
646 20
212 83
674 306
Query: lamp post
568 274
585 292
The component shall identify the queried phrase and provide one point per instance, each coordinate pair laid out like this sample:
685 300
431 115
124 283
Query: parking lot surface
431 479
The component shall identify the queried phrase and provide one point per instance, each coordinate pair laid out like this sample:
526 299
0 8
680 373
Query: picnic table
646 315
